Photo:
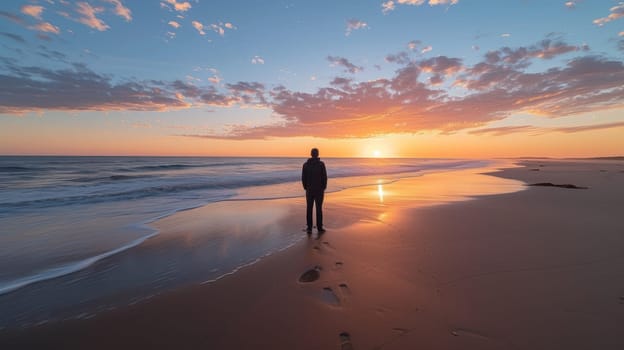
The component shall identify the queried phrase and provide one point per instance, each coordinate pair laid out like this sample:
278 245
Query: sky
355 78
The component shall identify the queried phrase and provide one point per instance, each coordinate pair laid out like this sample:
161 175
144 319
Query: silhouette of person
314 179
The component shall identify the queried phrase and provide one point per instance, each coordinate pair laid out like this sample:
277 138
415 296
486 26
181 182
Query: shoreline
33 294
367 294
146 225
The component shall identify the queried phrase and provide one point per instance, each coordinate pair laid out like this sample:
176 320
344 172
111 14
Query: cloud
120 10
400 58
426 49
78 88
46 28
88 16
505 130
14 37
15 18
616 13
257 60
199 27
387 6
218 29
442 2
570 4
412 45
178 6
579 128
174 24
249 93
391 5
440 68
52 54
354 24
505 35
409 102
32 10
412 99
545 49
343 62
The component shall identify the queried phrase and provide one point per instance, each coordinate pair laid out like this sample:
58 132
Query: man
314 179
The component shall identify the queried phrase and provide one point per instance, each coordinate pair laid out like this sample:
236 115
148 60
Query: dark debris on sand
550 184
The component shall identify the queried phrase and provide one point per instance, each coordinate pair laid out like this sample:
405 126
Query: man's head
314 153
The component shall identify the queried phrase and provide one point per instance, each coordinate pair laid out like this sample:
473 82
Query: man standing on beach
314 179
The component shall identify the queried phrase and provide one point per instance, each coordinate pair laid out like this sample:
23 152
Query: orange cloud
179 6
505 130
46 27
497 87
200 27
121 10
411 100
616 13
174 24
88 16
32 10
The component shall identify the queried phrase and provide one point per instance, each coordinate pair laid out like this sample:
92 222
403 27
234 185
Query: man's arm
303 177
324 177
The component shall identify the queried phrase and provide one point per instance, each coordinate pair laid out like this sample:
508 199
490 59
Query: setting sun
376 153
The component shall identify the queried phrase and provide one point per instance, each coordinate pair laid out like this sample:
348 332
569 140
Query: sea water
66 223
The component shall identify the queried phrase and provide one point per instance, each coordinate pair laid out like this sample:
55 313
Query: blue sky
238 70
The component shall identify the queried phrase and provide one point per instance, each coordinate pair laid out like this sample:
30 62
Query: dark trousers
314 197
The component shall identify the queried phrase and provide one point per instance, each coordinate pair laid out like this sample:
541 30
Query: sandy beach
454 260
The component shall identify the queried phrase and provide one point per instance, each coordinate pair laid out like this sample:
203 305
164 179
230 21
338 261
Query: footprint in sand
469 333
344 289
311 275
338 265
400 331
328 296
345 341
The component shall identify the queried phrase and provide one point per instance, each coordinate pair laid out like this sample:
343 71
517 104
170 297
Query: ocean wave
111 178
160 186
176 166
16 169
65 269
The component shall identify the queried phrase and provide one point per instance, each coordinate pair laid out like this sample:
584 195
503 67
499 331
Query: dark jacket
314 175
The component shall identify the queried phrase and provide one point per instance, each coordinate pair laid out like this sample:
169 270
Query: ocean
67 224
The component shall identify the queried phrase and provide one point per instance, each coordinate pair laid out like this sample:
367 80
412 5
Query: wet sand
540 268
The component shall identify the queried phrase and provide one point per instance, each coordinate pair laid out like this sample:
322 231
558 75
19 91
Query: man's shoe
321 230
309 230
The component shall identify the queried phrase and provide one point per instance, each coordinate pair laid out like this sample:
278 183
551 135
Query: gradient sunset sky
407 78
